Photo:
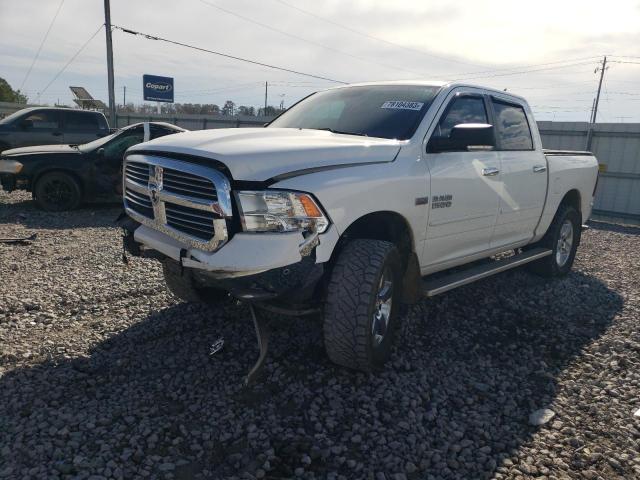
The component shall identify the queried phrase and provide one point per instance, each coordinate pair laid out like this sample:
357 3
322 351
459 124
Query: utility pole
602 69
124 96
112 96
266 87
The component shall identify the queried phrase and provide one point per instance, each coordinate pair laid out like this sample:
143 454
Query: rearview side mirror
466 137
100 152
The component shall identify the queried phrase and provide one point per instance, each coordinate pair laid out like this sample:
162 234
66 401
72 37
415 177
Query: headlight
280 211
10 166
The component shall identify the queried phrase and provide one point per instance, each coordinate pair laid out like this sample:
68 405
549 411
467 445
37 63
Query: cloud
474 36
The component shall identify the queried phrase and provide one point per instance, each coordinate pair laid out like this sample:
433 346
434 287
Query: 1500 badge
441 201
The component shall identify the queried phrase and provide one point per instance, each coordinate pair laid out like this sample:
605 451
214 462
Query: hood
262 153
40 149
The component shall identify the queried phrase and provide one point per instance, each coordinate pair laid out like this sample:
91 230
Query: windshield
385 111
12 117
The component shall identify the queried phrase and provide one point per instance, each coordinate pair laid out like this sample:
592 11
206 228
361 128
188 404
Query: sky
546 50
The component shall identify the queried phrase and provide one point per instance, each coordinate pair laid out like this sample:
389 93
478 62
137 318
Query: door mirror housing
100 152
465 137
26 124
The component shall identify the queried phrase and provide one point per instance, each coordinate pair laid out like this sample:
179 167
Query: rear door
464 187
82 127
523 172
39 127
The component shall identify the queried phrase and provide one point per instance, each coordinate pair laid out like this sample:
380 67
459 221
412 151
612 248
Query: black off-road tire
182 284
351 300
548 266
57 192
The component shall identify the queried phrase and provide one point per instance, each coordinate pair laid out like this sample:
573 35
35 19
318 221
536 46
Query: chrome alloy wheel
565 242
382 308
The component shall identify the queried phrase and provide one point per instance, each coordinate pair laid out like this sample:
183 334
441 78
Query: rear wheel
57 191
562 239
182 284
362 304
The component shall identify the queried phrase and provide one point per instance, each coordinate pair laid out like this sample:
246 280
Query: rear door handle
539 169
490 171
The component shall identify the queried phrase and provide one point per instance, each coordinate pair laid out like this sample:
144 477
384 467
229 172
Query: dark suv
47 126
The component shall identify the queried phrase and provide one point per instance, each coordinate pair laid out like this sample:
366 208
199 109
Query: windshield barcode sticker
400 105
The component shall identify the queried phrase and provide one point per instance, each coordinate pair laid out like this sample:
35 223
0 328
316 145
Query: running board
431 288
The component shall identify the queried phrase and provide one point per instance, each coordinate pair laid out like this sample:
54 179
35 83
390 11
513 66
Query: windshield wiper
332 130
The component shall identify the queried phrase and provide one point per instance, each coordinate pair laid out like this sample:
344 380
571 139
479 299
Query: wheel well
389 226
572 198
57 170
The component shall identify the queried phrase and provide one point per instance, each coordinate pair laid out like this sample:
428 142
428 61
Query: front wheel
562 239
57 192
362 304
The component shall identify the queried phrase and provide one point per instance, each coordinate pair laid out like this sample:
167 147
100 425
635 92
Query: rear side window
81 122
465 109
512 127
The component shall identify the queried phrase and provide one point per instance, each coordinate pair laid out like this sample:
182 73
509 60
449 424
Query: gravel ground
104 375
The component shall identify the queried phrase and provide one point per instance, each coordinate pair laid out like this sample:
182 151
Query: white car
349 201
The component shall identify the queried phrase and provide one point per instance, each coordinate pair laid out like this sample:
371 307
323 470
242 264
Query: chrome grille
187 184
185 201
191 221
140 203
137 172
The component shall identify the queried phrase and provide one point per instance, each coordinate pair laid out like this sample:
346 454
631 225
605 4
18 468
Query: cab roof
431 83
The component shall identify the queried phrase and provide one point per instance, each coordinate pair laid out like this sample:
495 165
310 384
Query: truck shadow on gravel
469 368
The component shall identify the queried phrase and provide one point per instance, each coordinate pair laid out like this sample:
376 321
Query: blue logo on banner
157 89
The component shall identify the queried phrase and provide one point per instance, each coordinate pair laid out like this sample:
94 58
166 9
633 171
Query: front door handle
539 168
490 171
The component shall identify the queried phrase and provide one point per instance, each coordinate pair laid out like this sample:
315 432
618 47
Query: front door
524 175
40 127
109 158
464 189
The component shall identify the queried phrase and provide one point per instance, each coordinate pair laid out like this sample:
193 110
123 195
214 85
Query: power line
620 61
84 45
526 71
44 39
372 37
302 39
225 55
507 69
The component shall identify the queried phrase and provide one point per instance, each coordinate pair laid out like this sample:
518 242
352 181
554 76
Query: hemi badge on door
422 200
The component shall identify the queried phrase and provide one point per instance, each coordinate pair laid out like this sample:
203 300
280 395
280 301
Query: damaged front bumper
252 266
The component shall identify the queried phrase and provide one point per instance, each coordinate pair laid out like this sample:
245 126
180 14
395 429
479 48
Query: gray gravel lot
104 375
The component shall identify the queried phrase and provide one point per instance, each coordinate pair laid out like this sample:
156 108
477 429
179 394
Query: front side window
464 109
384 111
42 120
116 147
512 126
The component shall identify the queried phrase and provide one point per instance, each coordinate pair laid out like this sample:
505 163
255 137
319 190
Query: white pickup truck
355 200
